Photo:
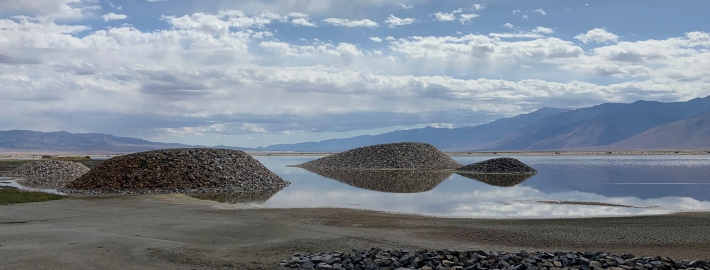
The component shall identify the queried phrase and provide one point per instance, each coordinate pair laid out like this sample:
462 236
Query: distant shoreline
38 155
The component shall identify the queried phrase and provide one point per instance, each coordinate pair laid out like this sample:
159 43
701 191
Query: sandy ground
178 232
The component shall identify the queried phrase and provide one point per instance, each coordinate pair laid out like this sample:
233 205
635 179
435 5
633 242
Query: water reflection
238 197
393 181
499 180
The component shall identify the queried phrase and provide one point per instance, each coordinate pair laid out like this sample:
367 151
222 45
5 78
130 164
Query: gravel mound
499 165
408 155
377 258
48 173
186 170
393 181
499 180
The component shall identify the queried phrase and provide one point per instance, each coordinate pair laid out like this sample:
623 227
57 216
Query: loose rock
48 173
188 170
377 258
498 165
408 155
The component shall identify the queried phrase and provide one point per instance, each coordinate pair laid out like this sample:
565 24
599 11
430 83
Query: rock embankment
393 181
498 165
408 155
377 258
190 170
48 173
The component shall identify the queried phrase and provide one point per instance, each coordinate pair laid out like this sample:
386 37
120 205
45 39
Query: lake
566 186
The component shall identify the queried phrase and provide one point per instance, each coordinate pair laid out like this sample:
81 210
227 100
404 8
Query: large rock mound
408 155
48 173
178 170
499 165
393 181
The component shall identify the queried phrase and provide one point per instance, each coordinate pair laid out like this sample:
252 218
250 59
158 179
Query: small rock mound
392 181
48 173
408 155
499 165
187 170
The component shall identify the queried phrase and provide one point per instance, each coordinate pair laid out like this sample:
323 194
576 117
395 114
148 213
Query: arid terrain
179 232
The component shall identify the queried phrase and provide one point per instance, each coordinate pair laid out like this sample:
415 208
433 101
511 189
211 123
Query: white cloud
543 30
389 38
155 0
113 16
443 17
297 15
394 21
599 35
516 35
376 39
303 22
508 25
349 23
406 6
540 11
516 11
463 18
460 10
478 7
525 17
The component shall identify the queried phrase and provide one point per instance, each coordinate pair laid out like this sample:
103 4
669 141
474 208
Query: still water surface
566 186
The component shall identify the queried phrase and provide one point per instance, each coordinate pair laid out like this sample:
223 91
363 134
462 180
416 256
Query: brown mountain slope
689 134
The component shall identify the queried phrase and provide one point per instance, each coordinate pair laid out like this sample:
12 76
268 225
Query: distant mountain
600 125
688 134
465 138
25 140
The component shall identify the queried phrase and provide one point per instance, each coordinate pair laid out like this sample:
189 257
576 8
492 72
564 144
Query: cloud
297 15
376 39
348 23
113 17
598 35
540 11
394 21
543 30
302 22
443 17
478 7
463 18
508 25
516 11
406 6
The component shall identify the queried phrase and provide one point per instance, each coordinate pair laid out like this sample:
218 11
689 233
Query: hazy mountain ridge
687 134
26 140
443 138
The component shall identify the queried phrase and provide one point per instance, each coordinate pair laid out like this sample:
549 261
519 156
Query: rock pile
48 173
408 155
499 180
377 258
498 165
393 181
189 170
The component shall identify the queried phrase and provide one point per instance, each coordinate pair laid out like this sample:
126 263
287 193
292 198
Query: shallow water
566 186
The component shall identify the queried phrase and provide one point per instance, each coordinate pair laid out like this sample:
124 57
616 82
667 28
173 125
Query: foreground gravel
48 173
377 258
408 155
187 170
499 165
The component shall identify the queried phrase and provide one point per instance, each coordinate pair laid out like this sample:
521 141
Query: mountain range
642 125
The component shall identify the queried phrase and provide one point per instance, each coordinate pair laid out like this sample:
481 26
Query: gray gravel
499 165
407 155
186 170
48 173
377 258
394 181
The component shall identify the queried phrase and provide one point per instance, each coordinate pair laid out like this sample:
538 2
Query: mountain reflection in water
499 180
238 197
393 181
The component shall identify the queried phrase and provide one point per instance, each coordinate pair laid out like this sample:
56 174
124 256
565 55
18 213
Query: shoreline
126 232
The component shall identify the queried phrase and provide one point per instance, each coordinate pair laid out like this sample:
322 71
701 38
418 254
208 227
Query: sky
255 73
